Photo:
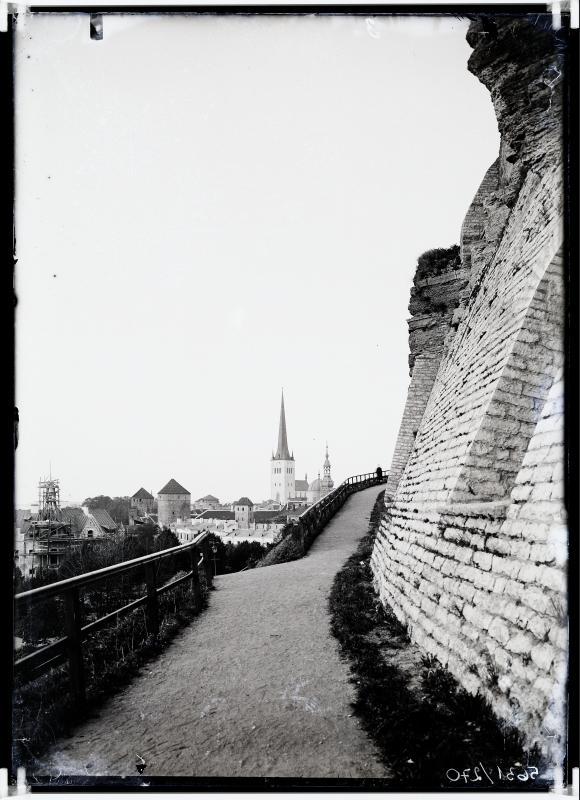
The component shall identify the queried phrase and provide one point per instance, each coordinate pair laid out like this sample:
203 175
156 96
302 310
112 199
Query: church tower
327 482
282 472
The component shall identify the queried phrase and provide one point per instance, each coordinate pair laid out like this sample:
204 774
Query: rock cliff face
472 547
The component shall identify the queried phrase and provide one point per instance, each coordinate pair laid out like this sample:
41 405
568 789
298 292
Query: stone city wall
471 551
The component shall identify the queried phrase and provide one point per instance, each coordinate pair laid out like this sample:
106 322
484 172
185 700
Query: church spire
327 465
282 453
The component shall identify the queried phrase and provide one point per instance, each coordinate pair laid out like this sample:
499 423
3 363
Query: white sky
209 209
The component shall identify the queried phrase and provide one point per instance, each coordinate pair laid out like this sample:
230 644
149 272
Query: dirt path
254 687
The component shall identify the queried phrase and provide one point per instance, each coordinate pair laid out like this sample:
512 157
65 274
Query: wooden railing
70 647
313 520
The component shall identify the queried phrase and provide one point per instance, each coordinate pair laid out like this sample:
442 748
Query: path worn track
254 687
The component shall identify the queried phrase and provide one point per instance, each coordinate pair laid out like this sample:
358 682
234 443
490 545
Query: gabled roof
104 519
301 486
142 494
243 501
216 514
173 488
208 497
75 515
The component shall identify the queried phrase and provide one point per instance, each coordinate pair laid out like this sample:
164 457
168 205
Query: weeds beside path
421 721
255 687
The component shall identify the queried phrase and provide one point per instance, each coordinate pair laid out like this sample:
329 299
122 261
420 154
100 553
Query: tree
243 554
118 507
217 549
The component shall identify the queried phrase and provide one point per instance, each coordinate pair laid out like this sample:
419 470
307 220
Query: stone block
520 643
518 669
530 573
553 578
486 580
544 553
464 554
558 636
483 560
498 546
500 631
539 625
541 491
521 493
536 599
543 655
449 567
515 589
515 614
470 632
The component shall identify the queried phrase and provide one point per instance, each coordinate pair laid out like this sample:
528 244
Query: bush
439 260
43 708
288 549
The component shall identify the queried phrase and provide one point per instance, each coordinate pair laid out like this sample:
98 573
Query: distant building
44 538
282 468
242 509
301 488
142 503
174 503
206 503
98 523
320 487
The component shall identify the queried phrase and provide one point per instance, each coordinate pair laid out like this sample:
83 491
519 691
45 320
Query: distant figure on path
379 474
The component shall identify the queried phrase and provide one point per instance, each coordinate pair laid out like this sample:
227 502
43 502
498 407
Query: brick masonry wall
471 551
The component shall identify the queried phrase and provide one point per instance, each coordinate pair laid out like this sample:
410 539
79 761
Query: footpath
254 687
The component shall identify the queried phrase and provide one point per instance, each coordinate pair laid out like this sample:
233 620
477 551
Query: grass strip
421 721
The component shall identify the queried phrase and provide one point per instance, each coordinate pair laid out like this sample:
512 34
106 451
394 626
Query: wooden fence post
152 616
195 583
74 637
206 563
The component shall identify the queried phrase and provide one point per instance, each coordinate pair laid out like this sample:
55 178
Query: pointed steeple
327 480
282 453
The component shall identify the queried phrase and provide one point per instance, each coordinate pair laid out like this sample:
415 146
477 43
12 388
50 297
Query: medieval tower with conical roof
173 504
282 470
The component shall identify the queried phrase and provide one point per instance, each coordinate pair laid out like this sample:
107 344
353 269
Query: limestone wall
471 551
438 285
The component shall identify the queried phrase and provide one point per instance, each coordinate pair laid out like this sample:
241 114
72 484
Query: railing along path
70 647
314 519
